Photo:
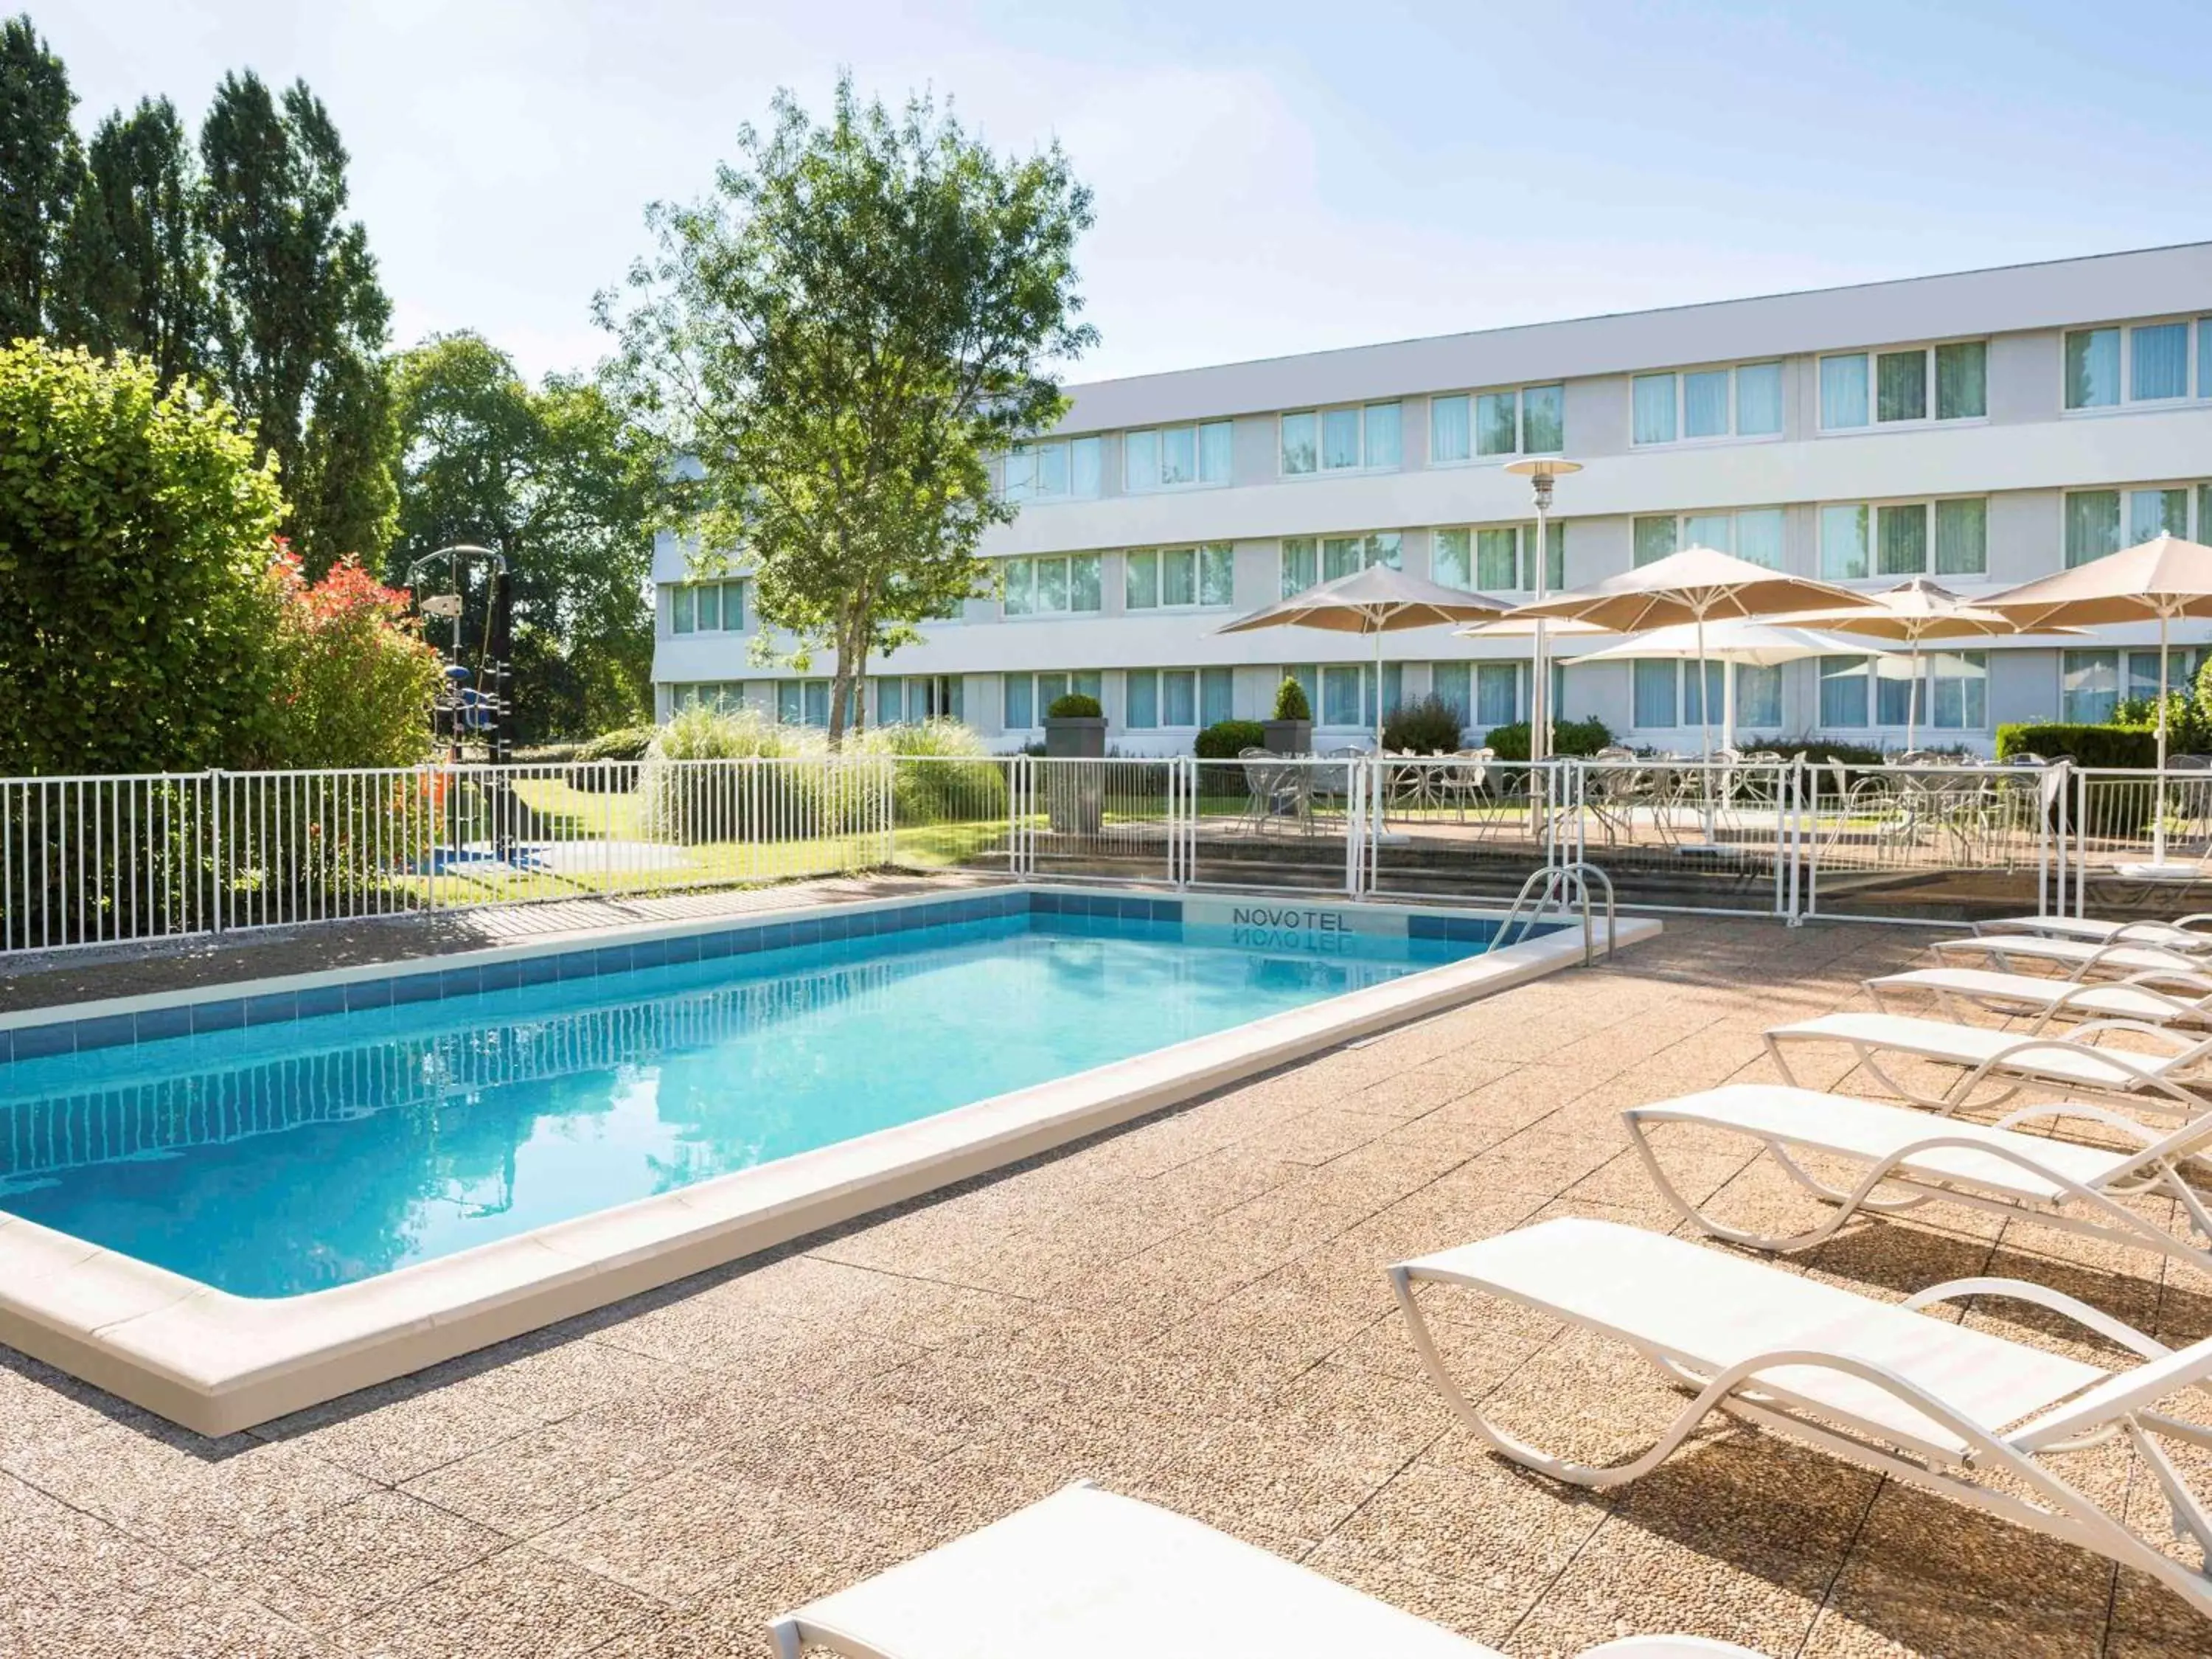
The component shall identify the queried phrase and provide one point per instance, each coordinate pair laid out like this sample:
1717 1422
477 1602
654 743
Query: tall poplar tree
299 320
40 162
133 267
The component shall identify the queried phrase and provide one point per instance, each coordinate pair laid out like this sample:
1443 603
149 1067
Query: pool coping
217 1362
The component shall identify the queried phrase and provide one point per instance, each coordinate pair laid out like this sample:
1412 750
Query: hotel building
1981 428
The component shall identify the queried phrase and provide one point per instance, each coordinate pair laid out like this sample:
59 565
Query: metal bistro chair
1464 782
1275 792
1621 784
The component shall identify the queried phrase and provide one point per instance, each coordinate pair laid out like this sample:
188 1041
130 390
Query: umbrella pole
1705 730
2158 819
1912 696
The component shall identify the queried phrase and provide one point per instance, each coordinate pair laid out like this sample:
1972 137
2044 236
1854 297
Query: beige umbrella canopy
1910 612
2164 577
1735 641
1695 586
1375 601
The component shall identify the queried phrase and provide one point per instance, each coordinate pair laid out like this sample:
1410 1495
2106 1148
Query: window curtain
2159 360
1901 389
1543 420
1451 559
1758 400
1843 393
1962 380
1652 410
1448 432
1759 537
1901 536
1654 540
1843 543
1843 693
1962 537
1496 694
1018 715
1385 435
1758 699
1452 684
2093 369
1299 570
1705 404
2092 524
1654 685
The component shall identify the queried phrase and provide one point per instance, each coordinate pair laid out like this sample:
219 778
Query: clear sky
1270 178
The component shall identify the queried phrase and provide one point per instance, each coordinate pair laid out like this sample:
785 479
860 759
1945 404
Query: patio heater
487 711
1541 470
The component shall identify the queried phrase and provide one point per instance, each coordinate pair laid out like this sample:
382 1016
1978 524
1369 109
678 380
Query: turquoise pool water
291 1157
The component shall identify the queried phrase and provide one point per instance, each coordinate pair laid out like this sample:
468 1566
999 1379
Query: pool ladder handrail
1563 888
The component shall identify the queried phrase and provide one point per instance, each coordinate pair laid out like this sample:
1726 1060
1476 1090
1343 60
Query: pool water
277 1160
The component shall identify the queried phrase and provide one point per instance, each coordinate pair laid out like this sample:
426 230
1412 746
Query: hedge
1568 737
2087 745
1227 739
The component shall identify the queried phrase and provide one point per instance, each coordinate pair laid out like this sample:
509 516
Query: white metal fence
96 860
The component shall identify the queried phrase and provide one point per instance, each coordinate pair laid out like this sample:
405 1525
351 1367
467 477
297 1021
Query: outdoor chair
1961 1412
2188 934
1088 1574
2168 1084
1620 783
1464 784
1902 1159
1274 790
2159 997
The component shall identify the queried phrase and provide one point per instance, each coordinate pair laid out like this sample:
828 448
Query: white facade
1983 428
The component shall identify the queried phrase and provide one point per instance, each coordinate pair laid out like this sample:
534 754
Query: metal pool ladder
1559 889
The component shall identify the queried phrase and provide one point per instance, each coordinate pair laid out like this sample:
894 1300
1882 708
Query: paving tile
347 1562
518 1602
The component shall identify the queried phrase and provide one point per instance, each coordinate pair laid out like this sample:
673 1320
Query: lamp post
1540 471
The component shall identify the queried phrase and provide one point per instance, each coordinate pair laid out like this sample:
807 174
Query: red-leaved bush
356 677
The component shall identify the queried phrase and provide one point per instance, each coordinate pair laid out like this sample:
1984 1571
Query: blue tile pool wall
428 983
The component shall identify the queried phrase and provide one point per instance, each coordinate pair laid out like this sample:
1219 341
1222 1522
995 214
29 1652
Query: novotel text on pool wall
1290 927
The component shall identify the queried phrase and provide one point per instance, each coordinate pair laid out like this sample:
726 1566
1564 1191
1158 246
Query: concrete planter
1287 736
1081 737
1075 796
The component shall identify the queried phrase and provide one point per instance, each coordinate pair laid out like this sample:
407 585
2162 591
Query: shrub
1820 751
355 677
138 613
1291 702
1582 737
1074 706
1431 727
627 742
2088 745
2188 721
944 774
690 803
1227 739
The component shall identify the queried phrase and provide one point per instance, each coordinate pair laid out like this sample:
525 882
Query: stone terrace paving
1192 1310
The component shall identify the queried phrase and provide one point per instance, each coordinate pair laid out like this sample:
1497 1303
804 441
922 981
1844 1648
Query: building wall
2022 457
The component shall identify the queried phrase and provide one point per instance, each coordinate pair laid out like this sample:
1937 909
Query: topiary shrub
1290 703
1074 706
1227 739
1429 726
1575 738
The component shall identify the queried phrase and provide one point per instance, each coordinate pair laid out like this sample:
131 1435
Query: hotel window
1754 534
1051 586
1176 698
1308 559
1860 539
917 697
1744 401
1342 695
2090 686
1757 698
1497 693
1500 559
1452 684
1529 421
807 702
1180 578
727 695
1027 698
1948 382
1175 457
2139 363
707 607
1355 438
2101 521
1666 693
1953 692
1056 470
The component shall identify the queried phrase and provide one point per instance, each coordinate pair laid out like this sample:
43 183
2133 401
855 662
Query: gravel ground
1192 1310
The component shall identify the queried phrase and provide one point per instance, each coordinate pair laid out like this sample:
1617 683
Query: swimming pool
228 1203
292 1158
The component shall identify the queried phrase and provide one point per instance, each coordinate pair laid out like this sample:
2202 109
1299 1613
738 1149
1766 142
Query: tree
863 312
559 482
132 272
298 321
136 609
40 163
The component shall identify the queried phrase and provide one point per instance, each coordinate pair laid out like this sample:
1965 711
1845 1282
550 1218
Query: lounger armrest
2181 1042
2151 978
2020 1290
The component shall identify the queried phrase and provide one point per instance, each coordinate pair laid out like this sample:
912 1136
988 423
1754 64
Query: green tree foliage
40 163
137 613
298 321
559 481
133 266
861 313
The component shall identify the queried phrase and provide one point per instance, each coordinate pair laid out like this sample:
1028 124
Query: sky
1269 179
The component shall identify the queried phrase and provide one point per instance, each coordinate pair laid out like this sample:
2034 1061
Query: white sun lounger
1085 1574
2162 1083
2074 959
1920 1400
2164 997
1903 1159
2182 935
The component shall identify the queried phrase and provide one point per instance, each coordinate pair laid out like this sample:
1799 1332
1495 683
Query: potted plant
1291 732
1075 728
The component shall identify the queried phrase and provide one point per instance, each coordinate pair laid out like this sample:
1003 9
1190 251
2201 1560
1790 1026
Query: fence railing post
218 863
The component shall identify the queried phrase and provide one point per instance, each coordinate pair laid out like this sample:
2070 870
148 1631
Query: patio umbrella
1375 601
1913 611
1695 587
2164 577
1738 642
